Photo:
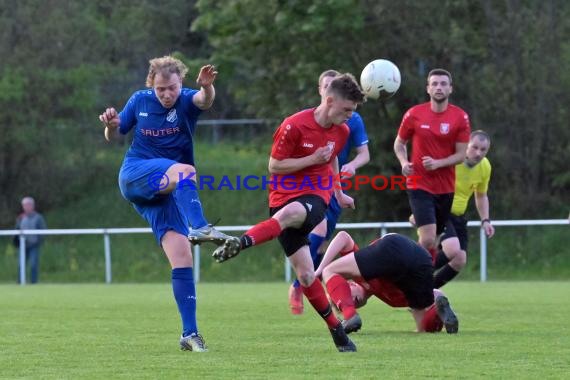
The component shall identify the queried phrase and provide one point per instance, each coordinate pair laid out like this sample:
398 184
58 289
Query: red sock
317 297
431 322
260 233
340 294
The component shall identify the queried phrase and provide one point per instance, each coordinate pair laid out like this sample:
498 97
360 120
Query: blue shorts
161 211
333 213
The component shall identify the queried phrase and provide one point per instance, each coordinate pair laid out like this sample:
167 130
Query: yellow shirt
467 181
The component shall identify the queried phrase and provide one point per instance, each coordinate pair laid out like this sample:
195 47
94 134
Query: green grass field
507 330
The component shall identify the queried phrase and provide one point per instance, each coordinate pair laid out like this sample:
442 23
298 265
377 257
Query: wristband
485 220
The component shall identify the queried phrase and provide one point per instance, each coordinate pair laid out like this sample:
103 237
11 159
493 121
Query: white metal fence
382 226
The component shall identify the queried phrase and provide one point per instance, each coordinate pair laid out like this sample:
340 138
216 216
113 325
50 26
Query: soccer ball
380 79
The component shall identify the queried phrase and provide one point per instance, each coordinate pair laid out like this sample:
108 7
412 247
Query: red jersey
434 134
389 293
299 136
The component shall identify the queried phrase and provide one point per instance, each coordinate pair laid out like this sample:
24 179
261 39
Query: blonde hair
328 73
166 66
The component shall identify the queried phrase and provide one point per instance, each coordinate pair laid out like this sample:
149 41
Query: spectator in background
31 220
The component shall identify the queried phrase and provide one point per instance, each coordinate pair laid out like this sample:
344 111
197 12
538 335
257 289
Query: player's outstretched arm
342 243
205 97
110 118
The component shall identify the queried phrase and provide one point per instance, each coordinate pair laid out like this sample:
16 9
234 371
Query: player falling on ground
471 176
439 132
396 269
302 163
324 231
157 175
388 293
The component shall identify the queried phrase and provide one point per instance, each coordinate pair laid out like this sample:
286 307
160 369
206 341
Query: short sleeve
358 133
285 140
483 187
464 129
128 115
188 99
406 130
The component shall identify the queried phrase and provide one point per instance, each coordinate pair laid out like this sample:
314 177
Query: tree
509 60
62 63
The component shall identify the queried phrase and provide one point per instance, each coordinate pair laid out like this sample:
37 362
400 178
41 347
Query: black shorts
430 208
292 239
456 226
403 262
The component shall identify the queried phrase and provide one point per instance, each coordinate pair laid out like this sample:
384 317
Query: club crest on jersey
171 117
444 128
330 144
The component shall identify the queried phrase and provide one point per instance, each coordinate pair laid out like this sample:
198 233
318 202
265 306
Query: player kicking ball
395 269
303 164
158 173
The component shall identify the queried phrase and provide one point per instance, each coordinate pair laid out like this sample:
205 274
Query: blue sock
185 296
187 197
315 242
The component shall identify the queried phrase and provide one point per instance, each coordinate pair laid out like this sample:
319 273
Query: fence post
383 231
107 244
196 249
483 249
287 270
22 259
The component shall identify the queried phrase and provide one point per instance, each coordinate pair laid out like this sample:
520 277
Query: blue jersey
357 137
160 132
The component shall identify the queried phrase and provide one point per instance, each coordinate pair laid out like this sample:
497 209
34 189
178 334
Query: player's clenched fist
110 118
323 154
